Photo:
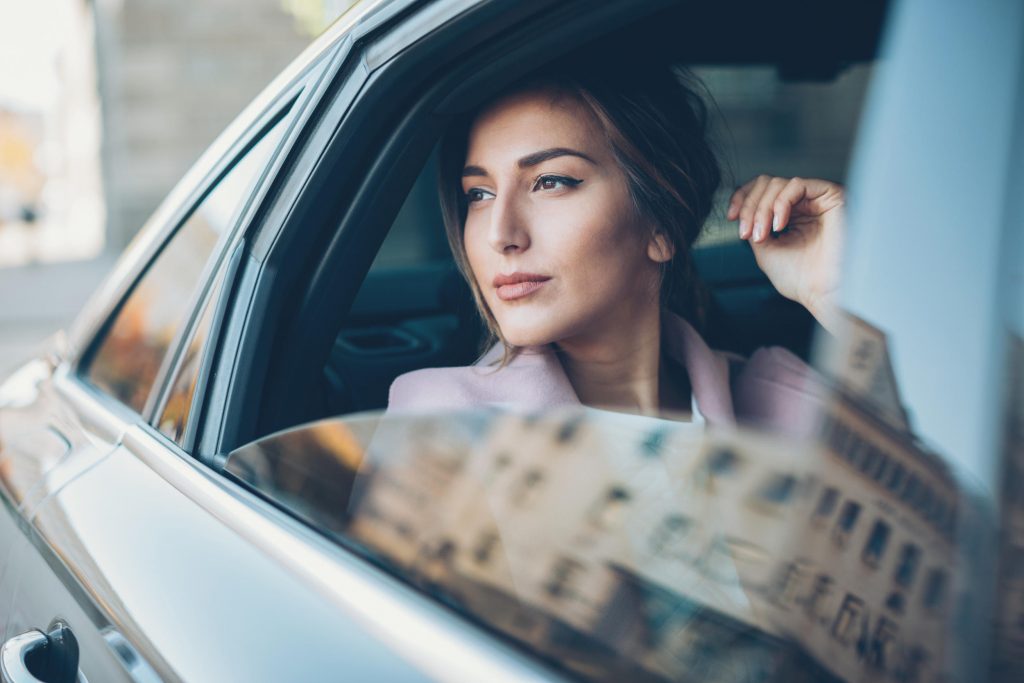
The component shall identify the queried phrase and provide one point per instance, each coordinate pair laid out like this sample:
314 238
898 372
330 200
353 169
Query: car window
128 359
623 547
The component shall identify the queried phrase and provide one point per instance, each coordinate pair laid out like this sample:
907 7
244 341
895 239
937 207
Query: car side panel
150 571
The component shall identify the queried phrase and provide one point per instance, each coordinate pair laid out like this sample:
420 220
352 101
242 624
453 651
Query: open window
370 290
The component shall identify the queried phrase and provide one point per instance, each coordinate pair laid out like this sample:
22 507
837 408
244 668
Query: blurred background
104 104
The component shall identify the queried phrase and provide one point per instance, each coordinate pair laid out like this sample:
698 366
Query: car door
61 418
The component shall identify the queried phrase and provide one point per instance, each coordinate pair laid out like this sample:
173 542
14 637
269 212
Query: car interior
385 297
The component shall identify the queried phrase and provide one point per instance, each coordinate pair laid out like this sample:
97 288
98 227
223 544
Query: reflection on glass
722 554
1008 660
129 358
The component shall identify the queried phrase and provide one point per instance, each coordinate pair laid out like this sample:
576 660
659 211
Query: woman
571 203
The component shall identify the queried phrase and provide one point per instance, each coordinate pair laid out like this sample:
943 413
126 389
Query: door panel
30 444
40 584
42 447
148 570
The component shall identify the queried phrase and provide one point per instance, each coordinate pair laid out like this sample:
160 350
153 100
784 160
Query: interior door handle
35 656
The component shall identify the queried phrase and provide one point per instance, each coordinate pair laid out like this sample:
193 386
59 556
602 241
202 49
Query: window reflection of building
875 546
846 522
669 536
1008 660
609 508
527 488
826 504
882 524
845 628
619 542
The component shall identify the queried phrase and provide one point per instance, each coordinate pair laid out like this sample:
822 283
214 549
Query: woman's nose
508 229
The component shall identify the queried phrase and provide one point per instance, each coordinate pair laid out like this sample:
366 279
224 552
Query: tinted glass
129 358
637 548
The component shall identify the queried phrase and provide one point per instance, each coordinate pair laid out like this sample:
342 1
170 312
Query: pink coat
773 388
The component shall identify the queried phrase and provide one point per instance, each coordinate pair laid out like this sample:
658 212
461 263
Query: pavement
38 300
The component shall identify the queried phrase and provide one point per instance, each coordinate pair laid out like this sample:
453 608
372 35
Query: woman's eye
476 194
554 182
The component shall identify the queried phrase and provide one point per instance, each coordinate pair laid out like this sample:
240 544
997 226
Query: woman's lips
518 291
517 286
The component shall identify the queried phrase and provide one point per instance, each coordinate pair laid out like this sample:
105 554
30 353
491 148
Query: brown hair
656 124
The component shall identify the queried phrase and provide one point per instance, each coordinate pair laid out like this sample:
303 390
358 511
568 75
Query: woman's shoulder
775 363
774 387
431 389
532 379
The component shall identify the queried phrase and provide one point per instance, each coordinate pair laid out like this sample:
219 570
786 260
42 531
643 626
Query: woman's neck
623 368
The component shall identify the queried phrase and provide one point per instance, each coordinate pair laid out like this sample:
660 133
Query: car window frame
82 365
216 273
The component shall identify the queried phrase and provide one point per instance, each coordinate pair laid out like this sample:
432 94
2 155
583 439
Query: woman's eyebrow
545 154
531 160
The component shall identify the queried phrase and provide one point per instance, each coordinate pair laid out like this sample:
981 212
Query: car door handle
35 656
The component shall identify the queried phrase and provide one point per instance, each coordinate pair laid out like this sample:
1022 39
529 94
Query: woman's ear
660 249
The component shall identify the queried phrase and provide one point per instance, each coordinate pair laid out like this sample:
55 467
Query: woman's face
551 233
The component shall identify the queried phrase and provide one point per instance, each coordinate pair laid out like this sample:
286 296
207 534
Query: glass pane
705 556
129 358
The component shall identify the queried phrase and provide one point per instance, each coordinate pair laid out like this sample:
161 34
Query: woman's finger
736 200
749 205
792 194
763 213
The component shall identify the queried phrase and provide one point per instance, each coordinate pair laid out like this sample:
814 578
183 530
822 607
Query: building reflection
1008 648
630 548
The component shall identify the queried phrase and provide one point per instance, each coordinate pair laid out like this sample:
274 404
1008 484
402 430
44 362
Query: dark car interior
416 315
785 107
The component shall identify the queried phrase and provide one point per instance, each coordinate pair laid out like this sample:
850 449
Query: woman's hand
796 229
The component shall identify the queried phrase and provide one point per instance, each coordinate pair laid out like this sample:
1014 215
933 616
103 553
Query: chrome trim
13 653
206 363
212 276
167 375
427 20
128 656
436 641
320 132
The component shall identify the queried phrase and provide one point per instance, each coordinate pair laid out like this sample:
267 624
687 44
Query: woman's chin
536 324
525 340
528 335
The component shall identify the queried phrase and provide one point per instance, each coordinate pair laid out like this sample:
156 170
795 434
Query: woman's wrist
825 311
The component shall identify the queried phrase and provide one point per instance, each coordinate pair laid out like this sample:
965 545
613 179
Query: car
199 483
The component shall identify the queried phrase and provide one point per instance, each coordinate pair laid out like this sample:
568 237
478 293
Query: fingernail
775 223
758 230
743 229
